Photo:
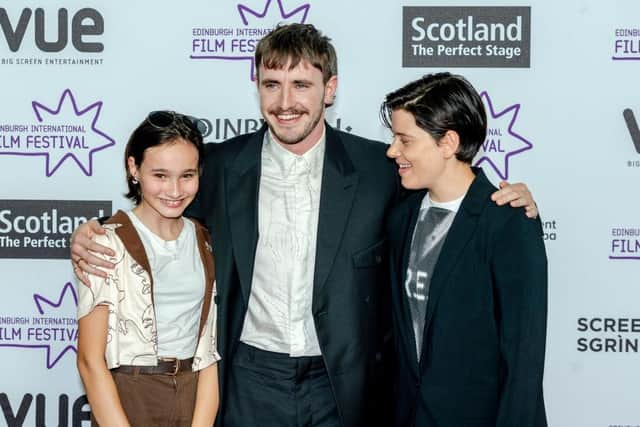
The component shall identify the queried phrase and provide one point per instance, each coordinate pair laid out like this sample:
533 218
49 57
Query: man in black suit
469 278
299 210
297 215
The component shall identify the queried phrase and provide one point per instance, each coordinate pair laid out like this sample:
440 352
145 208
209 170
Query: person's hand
85 262
517 195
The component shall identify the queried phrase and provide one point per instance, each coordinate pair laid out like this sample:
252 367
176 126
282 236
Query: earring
134 180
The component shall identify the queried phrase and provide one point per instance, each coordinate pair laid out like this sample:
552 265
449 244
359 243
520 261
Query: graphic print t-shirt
434 221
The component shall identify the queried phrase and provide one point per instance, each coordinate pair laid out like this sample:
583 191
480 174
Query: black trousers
269 389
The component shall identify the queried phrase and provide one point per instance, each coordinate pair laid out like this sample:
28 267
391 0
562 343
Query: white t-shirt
178 287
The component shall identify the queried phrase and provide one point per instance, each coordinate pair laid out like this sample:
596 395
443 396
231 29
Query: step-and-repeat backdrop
559 80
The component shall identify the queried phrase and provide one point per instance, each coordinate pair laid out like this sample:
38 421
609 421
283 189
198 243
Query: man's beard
306 131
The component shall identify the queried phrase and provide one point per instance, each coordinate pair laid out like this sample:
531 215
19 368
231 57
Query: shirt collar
284 160
452 205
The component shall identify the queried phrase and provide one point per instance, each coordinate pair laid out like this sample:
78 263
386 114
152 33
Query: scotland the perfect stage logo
62 131
40 229
237 41
445 36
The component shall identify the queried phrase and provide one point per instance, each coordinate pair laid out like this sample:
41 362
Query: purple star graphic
285 15
95 108
298 14
517 140
53 354
68 287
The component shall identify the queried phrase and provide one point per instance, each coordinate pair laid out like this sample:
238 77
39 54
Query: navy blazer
484 337
350 288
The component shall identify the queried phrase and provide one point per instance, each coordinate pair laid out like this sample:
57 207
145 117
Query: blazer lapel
339 184
460 233
411 217
242 181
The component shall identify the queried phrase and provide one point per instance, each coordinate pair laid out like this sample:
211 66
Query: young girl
146 345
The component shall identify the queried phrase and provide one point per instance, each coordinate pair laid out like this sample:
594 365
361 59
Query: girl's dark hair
148 135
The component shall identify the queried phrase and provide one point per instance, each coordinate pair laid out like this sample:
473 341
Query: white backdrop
73 86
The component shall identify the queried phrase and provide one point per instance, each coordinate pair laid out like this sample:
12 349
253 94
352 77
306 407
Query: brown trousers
157 400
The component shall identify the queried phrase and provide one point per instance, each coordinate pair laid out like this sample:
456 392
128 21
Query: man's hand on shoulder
84 249
516 195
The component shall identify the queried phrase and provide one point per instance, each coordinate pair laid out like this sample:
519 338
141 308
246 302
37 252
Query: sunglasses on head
164 118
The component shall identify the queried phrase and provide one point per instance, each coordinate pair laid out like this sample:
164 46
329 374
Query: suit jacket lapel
339 183
411 217
242 181
460 233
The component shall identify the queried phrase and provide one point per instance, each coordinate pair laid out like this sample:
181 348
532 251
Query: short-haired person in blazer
469 278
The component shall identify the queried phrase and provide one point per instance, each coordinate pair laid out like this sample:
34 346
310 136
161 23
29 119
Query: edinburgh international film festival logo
501 144
61 131
625 244
626 44
503 140
237 41
49 327
50 36
444 36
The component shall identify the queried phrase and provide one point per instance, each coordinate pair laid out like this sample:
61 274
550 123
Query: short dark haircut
441 102
297 43
148 135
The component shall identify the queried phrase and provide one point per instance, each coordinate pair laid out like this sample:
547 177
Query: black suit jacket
484 337
350 304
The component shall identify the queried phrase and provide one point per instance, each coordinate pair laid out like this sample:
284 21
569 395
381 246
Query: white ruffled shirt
279 316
